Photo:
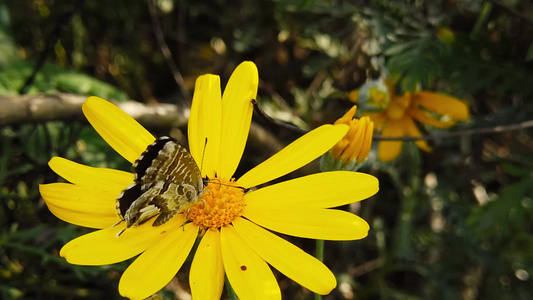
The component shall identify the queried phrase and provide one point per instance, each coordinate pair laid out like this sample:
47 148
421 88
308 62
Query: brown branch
19 110
365 268
260 136
166 51
467 132
261 113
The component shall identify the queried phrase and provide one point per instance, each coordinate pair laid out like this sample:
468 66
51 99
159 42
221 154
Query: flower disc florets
221 202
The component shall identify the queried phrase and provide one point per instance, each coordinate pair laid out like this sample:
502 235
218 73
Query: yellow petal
81 205
207 271
426 118
204 123
103 247
442 104
156 266
412 130
348 116
357 142
295 155
249 275
117 128
338 149
367 140
389 150
321 190
237 112
99 178
313 223
290 260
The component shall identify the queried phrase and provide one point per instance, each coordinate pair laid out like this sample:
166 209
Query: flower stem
408 185
319 256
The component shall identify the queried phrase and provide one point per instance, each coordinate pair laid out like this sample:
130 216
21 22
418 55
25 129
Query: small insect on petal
167 181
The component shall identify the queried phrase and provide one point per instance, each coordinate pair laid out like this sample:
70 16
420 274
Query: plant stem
408 185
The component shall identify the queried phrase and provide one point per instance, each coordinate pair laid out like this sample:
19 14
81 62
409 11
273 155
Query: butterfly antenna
207 180
121 232
117 223
203 154
223 184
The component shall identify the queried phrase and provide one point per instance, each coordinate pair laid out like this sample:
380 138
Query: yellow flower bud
353 148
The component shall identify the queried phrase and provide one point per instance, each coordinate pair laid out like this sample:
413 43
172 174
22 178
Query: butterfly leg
164 217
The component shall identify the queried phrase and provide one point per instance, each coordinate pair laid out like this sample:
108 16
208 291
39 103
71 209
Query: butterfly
167 180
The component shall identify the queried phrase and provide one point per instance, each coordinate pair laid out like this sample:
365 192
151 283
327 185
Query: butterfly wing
163 198
167 160
167 180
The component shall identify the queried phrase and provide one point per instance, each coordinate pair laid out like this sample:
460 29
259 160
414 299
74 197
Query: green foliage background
452 224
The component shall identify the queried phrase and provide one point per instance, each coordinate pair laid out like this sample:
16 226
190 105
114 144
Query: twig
269 142
61 106
467 132
51 40
166 51
278 123
365 268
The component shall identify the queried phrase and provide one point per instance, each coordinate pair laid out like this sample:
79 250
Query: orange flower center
221 202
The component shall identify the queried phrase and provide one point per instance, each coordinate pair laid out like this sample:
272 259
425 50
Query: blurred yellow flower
398 119
372 96
232 223
446 35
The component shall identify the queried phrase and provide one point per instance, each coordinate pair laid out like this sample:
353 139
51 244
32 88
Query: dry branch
18 110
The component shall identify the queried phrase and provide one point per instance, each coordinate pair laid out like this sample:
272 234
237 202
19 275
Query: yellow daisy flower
398 119
230 221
